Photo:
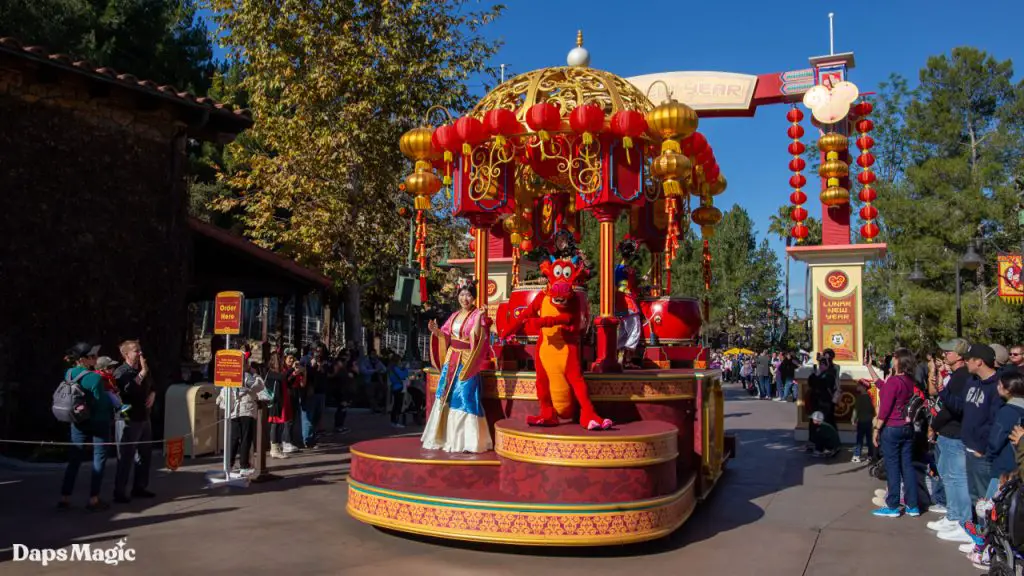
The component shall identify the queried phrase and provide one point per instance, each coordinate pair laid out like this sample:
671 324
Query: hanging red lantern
706 155
868 212
869 230
797 181
526 245
865 142
797 147
866 177
711 172
797 164
501 124
542 118
863 108
628 124
798 197
865 160
798 214
865 125
867 194
471 131
794 114
587 120
800 232
693 144
795 131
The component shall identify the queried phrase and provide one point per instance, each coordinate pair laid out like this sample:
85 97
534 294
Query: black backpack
70 400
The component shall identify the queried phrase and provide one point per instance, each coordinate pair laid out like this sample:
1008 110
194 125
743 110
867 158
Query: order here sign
227 317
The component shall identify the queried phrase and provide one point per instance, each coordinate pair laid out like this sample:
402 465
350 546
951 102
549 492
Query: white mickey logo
830 106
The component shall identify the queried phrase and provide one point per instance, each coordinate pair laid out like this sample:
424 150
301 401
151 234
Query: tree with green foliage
160 40
332 88
950 160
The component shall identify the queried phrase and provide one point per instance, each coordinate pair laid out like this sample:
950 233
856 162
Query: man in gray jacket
764 375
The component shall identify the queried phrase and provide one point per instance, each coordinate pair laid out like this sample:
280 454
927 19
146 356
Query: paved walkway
776 512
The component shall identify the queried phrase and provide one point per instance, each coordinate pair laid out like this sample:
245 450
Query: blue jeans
864 439
312 410
765 386
81 436
953 471
979 476
787 388
896 450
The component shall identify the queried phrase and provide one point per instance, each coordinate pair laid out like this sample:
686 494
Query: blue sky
641 37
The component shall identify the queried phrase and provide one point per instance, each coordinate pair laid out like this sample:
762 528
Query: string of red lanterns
868 213
797 181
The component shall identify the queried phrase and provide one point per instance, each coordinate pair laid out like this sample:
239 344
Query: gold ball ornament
671 168
835 196
833 142
707 217
671 120
421 185
718 186
416 145
834 169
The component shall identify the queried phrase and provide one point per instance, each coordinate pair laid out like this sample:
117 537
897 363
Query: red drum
521 298
676 319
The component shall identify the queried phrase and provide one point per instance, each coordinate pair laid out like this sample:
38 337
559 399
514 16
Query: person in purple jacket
894 434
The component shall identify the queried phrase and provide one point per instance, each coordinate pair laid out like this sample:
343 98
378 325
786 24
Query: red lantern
542 118
501 123
587 120
865 160
711 172
446 138
863 108
797 164
693 144
797 148
706 155
869 230
798 197
795 131
867 194
797 181
866 177
628 124
526 245
471 131
794 115
800 232
865 125
869 212
865 142
798 214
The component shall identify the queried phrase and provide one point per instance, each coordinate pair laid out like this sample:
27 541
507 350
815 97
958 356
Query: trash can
190 410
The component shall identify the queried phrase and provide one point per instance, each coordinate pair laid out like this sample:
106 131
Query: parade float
535 153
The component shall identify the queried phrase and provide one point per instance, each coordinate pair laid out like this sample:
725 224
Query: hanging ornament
446 139
628 124
833 170
587 120
501 124
796 165
868 213
471 131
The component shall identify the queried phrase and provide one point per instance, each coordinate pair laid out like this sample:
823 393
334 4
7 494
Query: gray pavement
776 512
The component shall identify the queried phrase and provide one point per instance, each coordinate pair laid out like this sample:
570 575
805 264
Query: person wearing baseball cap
952 457
90 435
979 408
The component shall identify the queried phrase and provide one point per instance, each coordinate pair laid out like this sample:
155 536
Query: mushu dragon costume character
556 312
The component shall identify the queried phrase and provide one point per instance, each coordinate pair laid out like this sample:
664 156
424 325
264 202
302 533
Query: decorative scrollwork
585 169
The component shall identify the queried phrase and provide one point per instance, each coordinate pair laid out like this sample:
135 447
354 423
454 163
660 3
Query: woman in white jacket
244 409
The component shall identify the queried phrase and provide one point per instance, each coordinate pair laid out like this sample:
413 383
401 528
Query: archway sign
837 265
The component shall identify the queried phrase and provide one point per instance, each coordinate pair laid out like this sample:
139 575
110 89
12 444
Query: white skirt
463 432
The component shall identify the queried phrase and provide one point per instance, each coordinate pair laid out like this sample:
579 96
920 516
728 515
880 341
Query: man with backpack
82 401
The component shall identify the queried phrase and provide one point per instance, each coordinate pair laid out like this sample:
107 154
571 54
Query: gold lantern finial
579 38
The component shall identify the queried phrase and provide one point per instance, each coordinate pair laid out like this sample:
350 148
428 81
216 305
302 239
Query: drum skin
675 319
521 298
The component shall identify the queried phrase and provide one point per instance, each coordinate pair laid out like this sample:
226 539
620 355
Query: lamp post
969 261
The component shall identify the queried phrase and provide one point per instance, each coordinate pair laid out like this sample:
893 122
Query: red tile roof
38 53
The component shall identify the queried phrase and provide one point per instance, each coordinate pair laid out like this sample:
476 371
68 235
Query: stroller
1005 533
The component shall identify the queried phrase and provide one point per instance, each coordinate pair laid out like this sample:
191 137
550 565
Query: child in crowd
824 437
863 419
105 368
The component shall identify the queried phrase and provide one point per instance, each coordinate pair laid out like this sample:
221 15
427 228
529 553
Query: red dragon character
557 314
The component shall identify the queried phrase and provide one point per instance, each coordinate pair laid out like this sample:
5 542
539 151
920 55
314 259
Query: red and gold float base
562 486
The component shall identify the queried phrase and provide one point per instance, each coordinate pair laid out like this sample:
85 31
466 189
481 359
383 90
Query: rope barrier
53 443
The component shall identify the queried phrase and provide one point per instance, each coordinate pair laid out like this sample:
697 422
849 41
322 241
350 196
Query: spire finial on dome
579 56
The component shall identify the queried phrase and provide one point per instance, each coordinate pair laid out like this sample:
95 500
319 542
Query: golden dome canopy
566 87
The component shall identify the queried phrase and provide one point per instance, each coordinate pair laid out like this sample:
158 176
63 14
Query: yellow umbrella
736 351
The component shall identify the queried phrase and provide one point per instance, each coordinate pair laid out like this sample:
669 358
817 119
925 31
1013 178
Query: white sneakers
881 492
289 448
957 534
943 525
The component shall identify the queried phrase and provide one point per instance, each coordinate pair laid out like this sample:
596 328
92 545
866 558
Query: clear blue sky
632 38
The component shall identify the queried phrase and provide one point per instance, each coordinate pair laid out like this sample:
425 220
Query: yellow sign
229 368
227 315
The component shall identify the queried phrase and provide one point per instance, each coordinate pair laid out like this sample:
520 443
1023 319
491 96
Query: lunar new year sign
837 319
